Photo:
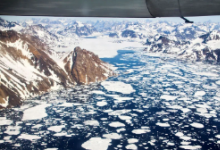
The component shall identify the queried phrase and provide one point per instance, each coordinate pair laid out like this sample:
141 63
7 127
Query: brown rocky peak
87 67
8 36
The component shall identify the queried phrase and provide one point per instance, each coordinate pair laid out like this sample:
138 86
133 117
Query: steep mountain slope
27 68
42 33
85 67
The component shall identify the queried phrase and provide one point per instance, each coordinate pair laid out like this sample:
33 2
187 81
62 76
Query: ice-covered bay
154 103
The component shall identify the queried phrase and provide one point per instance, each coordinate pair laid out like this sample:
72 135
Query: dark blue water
170 97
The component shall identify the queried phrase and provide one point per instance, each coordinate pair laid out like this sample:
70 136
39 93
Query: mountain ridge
27 69
37 55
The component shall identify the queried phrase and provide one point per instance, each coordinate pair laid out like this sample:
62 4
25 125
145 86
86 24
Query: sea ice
168 97
140 131
118 112
98 92
196 147
120 130
102 103
66 105
112 136
199 93
56 128
118 86
132 140
37 126
96 143
218 136
122 117
60 134
36 112
185 110
91 123
29 137
13 130
163 124
131 146
4 121
197 125
116 124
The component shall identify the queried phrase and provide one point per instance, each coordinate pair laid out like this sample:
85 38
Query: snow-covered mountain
8 25
201 47
77 28
198 41
42 33
26 69
28 66
37 55
163 36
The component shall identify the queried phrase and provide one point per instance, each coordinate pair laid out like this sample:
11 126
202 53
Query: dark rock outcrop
113 35
85 67
214 35
129 33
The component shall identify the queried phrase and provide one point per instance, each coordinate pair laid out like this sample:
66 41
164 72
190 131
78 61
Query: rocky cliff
85 67
28 68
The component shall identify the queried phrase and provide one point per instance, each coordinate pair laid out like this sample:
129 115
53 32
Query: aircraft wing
111 8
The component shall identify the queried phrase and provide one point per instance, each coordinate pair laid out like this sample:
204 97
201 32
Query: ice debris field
154 103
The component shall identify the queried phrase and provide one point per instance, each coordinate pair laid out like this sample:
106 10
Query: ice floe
140 131
132 140
36 112
197 125
112 136
131 146
116 124
163 124
4 121
92 122
102 103
199 93
191 147
118 86
56 128
168 97
96 143
29 137
218 136
13 130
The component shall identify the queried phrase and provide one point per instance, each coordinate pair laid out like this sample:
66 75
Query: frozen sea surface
154 103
